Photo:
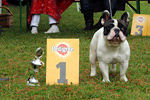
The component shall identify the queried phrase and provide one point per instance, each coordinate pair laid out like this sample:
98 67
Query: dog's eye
109 26
122 28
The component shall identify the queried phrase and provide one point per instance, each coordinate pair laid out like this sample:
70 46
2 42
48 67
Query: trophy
36 64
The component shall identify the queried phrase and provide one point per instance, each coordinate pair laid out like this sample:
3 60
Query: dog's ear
105 16
126 18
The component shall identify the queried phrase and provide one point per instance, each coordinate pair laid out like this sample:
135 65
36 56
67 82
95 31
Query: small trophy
36 64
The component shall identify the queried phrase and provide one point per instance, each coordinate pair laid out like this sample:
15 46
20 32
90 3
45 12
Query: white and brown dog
109 46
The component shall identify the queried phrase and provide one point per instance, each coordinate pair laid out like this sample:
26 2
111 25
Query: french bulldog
109 45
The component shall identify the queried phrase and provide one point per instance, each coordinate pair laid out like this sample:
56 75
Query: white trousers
36 19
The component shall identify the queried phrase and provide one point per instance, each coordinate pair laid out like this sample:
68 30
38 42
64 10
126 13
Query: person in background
88 7
52 8
4 2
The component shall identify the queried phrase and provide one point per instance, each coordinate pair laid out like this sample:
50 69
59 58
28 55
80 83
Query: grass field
17 50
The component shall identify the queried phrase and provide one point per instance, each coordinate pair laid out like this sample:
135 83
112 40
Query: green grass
17 50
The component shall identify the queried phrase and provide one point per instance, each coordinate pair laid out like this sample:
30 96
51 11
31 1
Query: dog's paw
123 78
93 74
93 71
106 80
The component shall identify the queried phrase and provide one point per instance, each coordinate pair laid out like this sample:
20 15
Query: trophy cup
36 64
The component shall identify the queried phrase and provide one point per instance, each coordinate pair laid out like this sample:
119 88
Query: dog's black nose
117 32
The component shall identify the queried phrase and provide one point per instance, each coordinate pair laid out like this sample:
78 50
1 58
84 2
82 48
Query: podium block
62 61
140 25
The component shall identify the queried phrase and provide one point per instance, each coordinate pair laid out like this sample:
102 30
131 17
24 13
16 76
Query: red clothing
4 2
53 8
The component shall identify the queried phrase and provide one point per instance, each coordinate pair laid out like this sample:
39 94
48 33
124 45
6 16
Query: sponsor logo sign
140 19
140 25
62 49
62 63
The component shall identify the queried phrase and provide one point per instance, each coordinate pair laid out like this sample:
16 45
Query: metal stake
20 16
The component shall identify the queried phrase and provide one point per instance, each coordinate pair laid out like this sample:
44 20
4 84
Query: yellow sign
62 61
140 25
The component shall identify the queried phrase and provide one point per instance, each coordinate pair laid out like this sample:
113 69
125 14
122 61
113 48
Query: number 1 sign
140 25
62 61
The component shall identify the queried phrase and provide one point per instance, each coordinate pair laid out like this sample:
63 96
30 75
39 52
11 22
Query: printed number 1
62 66
140 29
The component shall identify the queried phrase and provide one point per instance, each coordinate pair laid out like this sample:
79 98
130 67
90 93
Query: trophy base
32 84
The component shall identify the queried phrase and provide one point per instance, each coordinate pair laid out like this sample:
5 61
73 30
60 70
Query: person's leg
111 3
107 5
34 24
88 17
53 26
86 9
111 6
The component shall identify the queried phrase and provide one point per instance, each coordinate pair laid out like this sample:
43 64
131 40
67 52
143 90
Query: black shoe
89 26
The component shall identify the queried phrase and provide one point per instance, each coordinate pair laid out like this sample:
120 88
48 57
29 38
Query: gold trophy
36 64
